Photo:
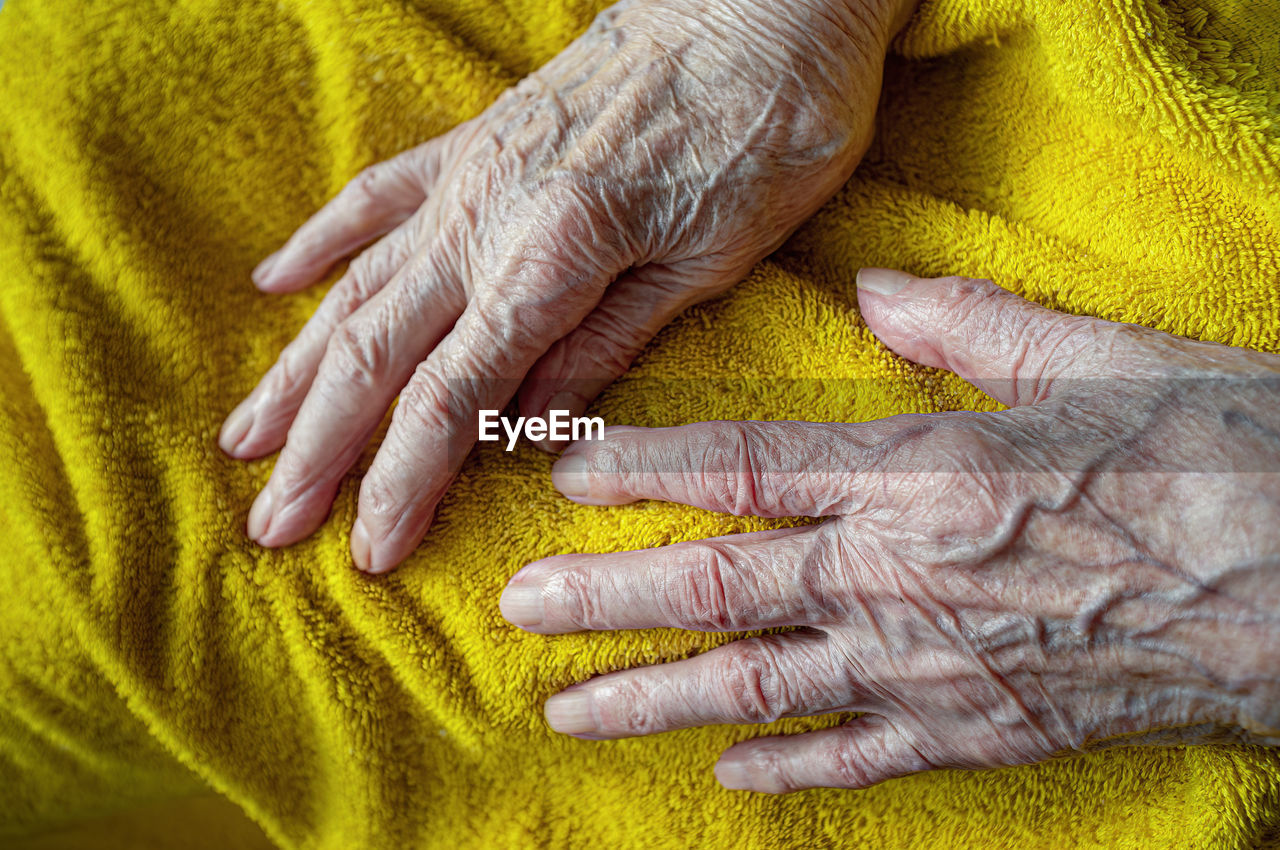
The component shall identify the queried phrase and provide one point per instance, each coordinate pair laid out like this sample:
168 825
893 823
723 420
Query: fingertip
883 282
755 765
280 274
257 443
235 428
370 556
259 522
287 280
571 476
383 557
896 310
732 774
883 297
571 712
569 404
579 480
281 516
380 547
259 438
551 447
262 275
360 545
380 564
522 605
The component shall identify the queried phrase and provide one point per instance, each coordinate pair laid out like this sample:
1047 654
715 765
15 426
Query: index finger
374 202
766 469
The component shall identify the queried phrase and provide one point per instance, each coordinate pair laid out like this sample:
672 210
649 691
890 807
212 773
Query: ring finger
366 363
723 584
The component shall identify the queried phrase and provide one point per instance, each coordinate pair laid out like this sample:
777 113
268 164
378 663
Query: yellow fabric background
1113 158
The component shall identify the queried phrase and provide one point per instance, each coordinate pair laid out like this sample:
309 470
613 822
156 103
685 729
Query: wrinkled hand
647 167
1100 560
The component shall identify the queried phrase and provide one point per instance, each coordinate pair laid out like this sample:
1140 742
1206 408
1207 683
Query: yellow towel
1113 158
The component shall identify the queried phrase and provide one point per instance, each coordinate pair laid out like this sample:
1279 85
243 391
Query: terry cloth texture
1117 159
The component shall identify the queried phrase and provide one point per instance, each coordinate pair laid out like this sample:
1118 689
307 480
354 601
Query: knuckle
611 347
849 766
1023 338
1137 350
581 598
605 461
428 405
389 506
969 487
966 293
1034 350
963 445
753 688
364 186
359 280
392 502
747 495
304 472
618 464
356 355
604 20
585 232
730 468
771 769
508 323
379 503
290 375
404 169
626 705
701 596
980 310
350 292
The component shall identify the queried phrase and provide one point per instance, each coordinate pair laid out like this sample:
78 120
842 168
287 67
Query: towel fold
1118 159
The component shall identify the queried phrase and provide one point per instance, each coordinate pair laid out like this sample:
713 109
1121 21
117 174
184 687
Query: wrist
1217 656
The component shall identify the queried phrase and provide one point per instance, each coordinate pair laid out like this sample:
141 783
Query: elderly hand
645 168
1100 560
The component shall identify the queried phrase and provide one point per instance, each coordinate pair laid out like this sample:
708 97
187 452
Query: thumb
1014 350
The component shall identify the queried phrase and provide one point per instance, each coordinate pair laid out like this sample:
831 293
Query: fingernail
236 427
521 604
883 281
567 401
569 476
360 545
262 274
573 405
732 774
569 712
380 557
260 514
525 571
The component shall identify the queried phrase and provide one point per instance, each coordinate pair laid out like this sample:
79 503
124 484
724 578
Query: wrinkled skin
647 167
991 589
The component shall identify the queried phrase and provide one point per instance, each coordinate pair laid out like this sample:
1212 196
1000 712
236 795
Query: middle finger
761 580
367 362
